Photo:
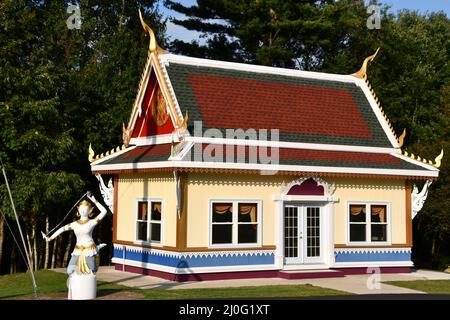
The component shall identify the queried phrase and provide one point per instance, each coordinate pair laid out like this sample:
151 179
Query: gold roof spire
362 73
401 139
437 161
153 46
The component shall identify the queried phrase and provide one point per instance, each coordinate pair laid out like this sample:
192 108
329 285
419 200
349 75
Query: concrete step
310 274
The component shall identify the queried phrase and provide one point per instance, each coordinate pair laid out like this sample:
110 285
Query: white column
279 234
330 234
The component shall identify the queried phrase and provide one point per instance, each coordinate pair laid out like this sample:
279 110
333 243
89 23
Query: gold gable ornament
437 161
401 139
362 73
153 46
159 109
91 153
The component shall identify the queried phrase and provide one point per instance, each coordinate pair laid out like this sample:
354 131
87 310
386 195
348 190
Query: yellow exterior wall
152 185
382 190
204 187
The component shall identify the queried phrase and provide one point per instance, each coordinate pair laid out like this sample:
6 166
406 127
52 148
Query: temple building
231 170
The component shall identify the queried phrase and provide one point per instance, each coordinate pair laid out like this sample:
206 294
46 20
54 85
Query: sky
423 6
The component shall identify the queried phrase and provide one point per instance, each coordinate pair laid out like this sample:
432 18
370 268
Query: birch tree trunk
12 266
30 250
47 244
54 249
35 252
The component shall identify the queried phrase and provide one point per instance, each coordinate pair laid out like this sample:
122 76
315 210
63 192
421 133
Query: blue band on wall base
372 255
192 260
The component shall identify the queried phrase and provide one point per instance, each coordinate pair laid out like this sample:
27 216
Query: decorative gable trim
327 188
416 162
153 64
381 117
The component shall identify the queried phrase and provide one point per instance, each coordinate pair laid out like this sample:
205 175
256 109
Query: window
142 221
148 224
235 223
368 223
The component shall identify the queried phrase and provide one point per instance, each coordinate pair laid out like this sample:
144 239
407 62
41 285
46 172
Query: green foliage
291 34
61 89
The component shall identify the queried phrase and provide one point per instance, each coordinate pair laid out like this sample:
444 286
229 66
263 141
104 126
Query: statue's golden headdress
85 203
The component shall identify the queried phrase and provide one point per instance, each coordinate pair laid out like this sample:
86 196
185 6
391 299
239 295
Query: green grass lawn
18 286
428 286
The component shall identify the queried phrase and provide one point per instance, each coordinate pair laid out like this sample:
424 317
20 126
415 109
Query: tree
291 34
61 89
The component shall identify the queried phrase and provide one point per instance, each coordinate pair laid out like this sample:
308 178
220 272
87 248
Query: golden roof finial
183 126
401 139
152 45
91 153
437 161
363 71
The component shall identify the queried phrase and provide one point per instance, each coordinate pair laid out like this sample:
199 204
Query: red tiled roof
244 103
152 150
158 152
344 156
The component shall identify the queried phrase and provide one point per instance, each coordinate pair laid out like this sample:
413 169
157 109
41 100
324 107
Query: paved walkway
351 283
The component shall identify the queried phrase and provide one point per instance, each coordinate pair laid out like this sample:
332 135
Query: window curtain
380 211
222 208
142 214
357 209
157 207
249 209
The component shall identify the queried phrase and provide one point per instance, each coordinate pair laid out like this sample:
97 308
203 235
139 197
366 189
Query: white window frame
369 241
235 223
149 221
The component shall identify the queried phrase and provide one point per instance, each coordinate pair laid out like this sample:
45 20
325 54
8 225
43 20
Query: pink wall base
341 272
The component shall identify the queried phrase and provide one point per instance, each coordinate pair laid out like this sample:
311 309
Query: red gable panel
153 120
242 103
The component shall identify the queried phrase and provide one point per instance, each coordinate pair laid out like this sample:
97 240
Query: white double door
303 234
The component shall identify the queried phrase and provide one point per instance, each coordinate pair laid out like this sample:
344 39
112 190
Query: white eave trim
263 167
284 197
291 145
151 140
99 161
416 162
167 58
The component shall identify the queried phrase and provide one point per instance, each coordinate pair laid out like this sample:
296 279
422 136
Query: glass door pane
312 232
292 228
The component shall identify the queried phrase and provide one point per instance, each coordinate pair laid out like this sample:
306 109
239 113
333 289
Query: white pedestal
82 286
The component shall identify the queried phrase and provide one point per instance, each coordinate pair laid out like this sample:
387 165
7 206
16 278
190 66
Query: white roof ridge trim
164 139
293 145
169 57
